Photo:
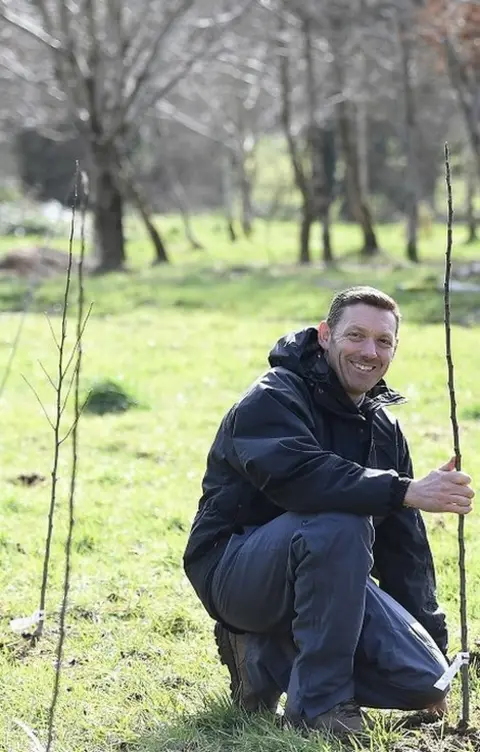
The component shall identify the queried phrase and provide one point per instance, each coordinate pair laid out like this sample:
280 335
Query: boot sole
335 728
227 659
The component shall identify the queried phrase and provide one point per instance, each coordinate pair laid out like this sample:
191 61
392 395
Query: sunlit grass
140 666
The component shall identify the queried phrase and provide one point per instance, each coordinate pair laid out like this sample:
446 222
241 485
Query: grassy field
140 668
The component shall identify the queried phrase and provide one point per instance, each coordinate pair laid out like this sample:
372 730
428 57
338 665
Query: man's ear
324 335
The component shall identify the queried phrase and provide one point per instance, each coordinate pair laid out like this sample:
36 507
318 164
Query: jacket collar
301 353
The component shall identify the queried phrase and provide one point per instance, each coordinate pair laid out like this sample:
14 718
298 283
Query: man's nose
369 349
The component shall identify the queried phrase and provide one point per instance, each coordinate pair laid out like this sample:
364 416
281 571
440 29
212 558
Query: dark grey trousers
318 626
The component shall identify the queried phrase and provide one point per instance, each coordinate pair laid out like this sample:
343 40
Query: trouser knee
350 533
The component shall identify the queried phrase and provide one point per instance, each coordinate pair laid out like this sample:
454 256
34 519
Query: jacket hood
301 353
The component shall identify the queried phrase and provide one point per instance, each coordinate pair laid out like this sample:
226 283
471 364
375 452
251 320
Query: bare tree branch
162 93
46 16
34 31
115 11
224 19
170 112
136 78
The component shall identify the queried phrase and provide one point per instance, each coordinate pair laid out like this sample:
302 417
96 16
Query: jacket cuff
398 490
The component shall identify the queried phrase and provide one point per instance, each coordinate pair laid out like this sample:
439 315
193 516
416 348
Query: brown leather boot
232 651
344 718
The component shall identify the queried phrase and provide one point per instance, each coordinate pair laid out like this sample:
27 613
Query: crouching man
309 495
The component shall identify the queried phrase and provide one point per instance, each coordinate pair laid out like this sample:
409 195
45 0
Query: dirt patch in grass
37 262
440 738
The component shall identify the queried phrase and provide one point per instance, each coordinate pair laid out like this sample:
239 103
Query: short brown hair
361 294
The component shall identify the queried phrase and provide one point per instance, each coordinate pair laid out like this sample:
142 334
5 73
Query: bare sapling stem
465 716
78 353
56 422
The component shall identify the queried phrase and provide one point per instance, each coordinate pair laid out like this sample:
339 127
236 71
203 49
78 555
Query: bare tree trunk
466 87
301 180
356 199
179 195
470 195
326 239
141 202
322 192
361 111
160 250
412 233
362 146
298 171
246 198
183 207
227 184
305 228
322 154
317 142
245 156
405 48
108 212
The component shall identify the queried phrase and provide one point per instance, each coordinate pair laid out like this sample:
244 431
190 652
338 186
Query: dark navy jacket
295 441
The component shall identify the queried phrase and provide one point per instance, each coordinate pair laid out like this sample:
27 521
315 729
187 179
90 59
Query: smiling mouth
362 368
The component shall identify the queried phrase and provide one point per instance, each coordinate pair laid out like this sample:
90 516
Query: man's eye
385 342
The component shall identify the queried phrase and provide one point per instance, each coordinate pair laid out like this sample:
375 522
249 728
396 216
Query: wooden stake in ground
456 444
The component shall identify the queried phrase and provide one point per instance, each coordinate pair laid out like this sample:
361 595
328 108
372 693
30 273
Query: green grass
140 667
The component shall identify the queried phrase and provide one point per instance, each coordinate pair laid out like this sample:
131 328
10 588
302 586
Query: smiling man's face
360 347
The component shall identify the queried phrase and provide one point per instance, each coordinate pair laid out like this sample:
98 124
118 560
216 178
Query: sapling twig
456 444
52 331
13 351
47 375
39 400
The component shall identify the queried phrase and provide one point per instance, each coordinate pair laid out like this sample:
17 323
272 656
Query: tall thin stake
456 443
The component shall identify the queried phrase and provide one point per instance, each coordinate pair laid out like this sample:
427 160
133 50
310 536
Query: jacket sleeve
275 447
404 562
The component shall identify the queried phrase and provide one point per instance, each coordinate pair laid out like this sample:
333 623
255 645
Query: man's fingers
457 509
450 465
461 478
462 501
459 505
461 490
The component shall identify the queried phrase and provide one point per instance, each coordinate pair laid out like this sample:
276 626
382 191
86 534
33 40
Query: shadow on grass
274 292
